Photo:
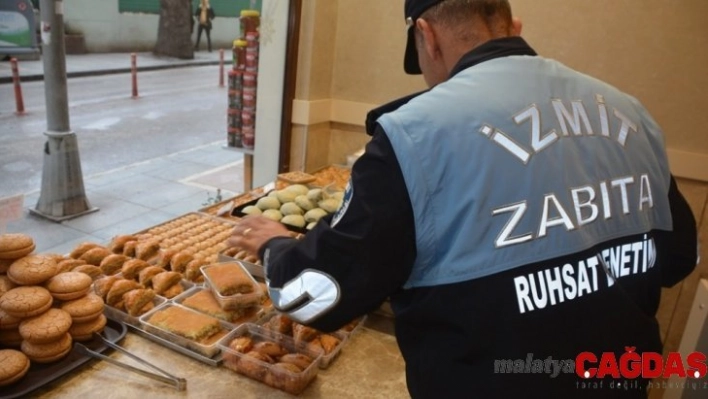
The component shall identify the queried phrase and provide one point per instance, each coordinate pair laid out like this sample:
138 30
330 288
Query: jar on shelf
235 98
252 40
233 118
249 21
234 137
235 80
250 80
251 61
239 57
248 117
248 137
249 98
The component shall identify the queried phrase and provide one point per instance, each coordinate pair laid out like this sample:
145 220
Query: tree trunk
174 35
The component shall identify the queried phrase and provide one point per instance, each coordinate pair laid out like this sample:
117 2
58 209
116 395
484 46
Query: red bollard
19 103
221 67
134 71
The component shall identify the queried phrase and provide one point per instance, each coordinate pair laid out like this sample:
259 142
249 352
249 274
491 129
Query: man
517 214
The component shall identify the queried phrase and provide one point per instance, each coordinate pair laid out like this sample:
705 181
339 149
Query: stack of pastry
44 307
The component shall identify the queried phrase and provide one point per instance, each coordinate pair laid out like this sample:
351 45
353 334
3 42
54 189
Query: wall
653 49
107 30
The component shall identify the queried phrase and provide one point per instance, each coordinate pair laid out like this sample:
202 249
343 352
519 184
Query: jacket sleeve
680 245
354 259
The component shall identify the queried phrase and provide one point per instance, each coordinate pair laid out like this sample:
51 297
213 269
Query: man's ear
516 26
430 39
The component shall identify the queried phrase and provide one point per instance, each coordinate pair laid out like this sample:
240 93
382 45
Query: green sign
17 27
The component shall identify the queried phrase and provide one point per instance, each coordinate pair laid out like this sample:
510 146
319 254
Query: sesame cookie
47 327
32 270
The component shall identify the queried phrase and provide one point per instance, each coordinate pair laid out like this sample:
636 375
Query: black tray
238 212
42 374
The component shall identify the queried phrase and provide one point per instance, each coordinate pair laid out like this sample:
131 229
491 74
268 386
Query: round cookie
26 301
47 327
32 270
50 352
13 366
15 246
84 331
69 285
8 322
84 309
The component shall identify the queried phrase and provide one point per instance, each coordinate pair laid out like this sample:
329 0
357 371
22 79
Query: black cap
412 11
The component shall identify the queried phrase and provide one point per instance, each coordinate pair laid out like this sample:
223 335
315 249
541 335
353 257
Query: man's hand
252 232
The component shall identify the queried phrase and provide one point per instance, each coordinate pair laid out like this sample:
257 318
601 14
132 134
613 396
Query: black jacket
210 16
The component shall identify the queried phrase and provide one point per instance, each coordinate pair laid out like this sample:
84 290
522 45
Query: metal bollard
221 67
19 103
134 72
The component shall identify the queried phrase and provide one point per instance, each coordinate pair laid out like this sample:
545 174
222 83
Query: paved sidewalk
137 196
105 63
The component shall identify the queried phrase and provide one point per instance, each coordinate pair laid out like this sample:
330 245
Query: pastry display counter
370 366
368 361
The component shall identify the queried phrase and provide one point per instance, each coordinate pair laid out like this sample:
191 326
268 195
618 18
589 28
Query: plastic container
248 98
249 21
268 373
234 137
327 356
236 301
235 98
239 56
249 137
208 348
235 80
250 80
211 307
123 317
234 119
252 39
251 61
248 117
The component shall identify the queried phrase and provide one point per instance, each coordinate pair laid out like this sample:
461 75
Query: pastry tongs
179 383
